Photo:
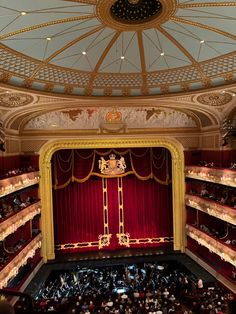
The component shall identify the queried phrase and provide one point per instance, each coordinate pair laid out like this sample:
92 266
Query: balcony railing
212 208
11 224
213 245
13 267
13 184
220 176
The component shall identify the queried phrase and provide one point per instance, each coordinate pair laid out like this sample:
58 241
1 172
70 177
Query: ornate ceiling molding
215 99
15 100
103 11
192 50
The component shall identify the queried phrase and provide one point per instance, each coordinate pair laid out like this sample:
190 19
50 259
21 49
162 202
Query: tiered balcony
16 183
12 223
212 244
212 208
220 176
12 268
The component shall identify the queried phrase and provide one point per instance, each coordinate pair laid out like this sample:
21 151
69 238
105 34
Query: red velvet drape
147 209
78 212
84 211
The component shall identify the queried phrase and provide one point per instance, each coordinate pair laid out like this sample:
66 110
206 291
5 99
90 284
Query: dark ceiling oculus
135 11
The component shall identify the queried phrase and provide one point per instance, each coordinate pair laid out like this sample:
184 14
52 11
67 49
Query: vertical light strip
104 239
122 236
120 205
105 206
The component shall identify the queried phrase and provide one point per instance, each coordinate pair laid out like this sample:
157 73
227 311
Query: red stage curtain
147 209
78 199
78 212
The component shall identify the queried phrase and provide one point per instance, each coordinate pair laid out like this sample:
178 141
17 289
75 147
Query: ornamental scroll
112 166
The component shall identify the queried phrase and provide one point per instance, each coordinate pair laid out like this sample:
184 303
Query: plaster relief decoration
92 118
215 99
112 166
15 99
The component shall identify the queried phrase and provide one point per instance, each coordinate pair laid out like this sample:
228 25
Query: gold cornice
119 99
205 4
46 24
27 134
203 26
49 148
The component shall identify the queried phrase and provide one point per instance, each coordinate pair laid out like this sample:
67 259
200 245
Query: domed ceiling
117 47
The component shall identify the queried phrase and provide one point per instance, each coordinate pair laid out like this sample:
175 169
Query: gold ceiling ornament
15 99
103 12
135 11
215 99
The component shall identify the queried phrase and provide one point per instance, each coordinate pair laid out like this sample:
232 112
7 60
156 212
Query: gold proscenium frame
178 186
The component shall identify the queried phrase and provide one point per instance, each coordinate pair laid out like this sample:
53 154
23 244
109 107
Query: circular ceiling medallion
135 11
215 99
15 99
128 15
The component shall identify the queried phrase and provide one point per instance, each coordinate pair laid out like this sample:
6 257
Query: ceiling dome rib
194 47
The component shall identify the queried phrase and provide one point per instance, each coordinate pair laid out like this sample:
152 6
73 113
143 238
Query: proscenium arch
178 190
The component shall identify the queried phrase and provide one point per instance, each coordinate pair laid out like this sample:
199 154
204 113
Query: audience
17 172
143 288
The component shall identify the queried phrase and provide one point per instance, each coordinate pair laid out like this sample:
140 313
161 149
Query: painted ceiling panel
161 53
216 17
93 46
124 55
191 37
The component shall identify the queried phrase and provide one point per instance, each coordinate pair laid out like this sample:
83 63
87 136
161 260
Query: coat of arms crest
112 166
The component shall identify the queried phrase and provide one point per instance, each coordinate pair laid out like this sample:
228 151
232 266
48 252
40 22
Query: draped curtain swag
79 165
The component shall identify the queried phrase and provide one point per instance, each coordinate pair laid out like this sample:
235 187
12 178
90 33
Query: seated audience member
204 192
200 283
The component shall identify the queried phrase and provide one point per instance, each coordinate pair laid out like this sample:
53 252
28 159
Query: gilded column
47 212
179 215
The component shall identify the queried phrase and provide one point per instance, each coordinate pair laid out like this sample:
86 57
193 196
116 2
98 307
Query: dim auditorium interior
118 156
